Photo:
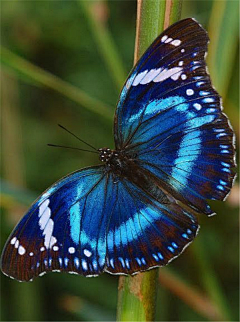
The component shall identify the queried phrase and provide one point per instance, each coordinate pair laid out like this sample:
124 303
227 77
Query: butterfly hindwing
144 233
170 117
90 222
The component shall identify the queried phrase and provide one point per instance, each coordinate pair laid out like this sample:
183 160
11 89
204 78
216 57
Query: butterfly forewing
170 117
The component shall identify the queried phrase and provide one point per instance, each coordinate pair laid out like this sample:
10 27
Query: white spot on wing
139 77
16 244
157 75
168 40
189 92
84 265
197 106
21 250
43 206
13 240
53 241
164 38
71 250
167 73
150 76
44 218
176 76
46 224
87 252
176 42
208 100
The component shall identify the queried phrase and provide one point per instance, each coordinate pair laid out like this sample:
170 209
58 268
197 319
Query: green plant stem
137 297
223 34
173 12
42 77
150 22
137 294
104 40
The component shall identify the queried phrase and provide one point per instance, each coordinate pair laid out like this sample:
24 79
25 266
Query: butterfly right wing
170 117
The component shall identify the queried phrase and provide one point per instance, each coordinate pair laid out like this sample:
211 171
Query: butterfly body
174 151
116 160
126 166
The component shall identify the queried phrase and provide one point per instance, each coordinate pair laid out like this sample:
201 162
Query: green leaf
42 77
223 32
104 40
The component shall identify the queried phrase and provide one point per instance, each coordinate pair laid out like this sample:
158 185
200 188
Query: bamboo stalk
137 294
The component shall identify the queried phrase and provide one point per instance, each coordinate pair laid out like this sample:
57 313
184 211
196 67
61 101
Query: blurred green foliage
57 36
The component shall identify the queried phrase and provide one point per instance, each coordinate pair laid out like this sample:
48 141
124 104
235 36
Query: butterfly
174 150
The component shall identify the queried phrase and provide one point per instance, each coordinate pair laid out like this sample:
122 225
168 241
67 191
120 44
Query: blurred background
65 62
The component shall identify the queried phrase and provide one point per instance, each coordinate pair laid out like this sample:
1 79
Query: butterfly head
114 159
106 154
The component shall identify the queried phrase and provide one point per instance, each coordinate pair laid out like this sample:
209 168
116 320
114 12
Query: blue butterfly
173 150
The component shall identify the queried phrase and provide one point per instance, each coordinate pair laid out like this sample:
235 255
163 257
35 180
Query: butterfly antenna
69 147
62 127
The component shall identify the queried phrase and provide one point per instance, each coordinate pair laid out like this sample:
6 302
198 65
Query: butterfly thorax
117 160
106 154
124 165
113 158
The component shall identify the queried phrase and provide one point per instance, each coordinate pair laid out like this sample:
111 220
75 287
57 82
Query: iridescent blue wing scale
145 233
60 228
90 222
170 118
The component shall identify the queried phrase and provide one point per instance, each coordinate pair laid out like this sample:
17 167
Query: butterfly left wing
169 117
61 230
92 221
